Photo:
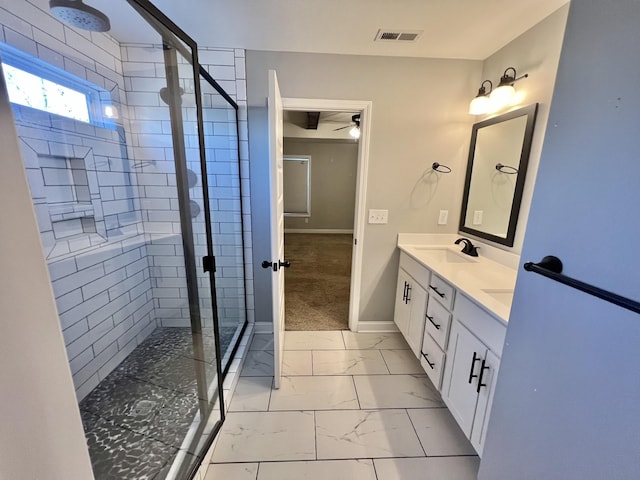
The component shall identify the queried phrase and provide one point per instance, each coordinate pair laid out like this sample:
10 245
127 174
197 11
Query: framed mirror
496 170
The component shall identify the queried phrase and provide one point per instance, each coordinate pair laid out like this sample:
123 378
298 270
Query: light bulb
502 96
479 105
355 132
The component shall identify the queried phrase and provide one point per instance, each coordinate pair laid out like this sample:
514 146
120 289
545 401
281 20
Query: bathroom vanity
453 311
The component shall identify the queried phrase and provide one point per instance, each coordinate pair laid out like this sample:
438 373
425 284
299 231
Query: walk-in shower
132 154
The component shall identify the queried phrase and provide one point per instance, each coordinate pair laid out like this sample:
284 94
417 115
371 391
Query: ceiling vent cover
389 35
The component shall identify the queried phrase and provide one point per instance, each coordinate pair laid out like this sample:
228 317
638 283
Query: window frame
98 98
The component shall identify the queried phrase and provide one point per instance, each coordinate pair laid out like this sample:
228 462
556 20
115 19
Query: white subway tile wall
106 200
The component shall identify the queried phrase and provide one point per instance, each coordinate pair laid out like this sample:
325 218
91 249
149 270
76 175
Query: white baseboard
377 327
263 327
319 230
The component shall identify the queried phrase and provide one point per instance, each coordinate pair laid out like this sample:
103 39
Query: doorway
324 242
319 174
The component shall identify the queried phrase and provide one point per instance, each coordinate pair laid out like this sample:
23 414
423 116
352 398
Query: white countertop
485 281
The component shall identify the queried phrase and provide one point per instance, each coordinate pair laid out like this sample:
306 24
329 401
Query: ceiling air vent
388 35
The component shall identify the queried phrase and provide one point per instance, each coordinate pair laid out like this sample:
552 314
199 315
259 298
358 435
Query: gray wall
333 183
419 116
536 52
567 402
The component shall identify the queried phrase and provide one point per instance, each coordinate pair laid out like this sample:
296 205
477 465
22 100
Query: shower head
77 14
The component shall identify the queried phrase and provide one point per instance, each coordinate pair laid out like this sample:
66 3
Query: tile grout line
375 471
315 435
416 432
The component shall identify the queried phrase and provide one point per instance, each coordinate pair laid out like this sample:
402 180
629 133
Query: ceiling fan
355 126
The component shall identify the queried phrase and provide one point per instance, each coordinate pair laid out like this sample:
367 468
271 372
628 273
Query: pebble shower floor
136 419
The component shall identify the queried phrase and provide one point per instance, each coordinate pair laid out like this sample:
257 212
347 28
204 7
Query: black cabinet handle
482 369
432 365
433 323
408 292
404 292
436 290
473 364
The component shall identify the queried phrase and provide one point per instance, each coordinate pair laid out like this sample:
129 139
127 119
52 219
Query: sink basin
444 255
505 297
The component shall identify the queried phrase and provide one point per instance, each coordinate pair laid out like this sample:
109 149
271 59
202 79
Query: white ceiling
469 29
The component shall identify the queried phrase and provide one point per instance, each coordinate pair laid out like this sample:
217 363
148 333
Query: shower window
36 84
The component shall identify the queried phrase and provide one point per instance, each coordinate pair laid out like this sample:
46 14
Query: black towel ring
438 167
509 170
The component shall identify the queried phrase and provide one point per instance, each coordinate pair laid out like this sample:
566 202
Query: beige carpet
317 283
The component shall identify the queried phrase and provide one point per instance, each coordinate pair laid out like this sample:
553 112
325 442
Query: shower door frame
152 14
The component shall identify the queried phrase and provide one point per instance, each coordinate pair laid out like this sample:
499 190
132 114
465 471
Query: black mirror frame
531 112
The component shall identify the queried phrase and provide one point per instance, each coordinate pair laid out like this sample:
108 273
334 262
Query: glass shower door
220 114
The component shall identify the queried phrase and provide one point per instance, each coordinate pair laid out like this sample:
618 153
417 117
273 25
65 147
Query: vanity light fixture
503 94
496 98
481 103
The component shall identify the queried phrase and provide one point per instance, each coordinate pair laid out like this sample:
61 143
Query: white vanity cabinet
473 359
436 330
411 301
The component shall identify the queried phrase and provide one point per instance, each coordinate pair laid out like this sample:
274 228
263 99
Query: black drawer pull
473 365
408 299
436 290
482 369
432 365
404 292
433 323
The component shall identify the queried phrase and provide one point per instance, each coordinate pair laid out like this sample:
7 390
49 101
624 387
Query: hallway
352 406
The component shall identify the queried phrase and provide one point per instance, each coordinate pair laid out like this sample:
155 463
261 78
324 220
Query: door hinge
209 263
355 241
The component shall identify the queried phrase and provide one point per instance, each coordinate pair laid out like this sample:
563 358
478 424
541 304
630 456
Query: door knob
284 264
267 264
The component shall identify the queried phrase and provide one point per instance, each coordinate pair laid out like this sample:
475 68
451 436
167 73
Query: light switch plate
378 216
443 217
477 217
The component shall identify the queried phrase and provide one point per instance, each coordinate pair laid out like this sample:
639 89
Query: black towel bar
551 267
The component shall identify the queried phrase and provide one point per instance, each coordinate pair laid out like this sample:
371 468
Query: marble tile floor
144 408
351 406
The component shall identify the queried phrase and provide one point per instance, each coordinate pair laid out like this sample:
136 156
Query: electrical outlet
306 220
444 217
477 217
378 216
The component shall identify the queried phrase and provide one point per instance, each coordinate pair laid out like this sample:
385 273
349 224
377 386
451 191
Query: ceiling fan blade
342 128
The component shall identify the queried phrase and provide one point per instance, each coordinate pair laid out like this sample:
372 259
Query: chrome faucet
469 248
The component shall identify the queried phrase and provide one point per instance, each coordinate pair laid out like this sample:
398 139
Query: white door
276 262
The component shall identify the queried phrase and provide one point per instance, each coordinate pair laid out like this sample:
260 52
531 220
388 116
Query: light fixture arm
507 79
482 90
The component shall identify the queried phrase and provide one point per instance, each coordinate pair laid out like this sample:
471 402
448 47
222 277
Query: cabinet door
462 368
415 330
402 308
485 399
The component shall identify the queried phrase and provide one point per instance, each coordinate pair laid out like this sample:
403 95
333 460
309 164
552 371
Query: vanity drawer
441 291
419 273
438 321
432 360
